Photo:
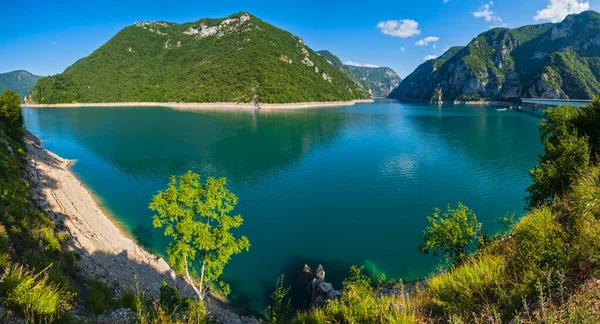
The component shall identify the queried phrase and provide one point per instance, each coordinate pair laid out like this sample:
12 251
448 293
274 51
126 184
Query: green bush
540 244
100 297
10 108
450 232
132 301
280 309
33 295
362 303
170 301
469 285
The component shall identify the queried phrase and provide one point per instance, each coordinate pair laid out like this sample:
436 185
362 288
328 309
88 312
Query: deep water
336 186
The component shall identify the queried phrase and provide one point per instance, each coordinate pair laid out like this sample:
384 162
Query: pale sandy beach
205 106
105 252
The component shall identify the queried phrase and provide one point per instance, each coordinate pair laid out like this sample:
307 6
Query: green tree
450 232
280 310
571 138
10 108
196 216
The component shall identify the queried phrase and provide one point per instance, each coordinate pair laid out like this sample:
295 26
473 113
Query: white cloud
359 64
399 28
429 57
402 49
427 40
486 12
446 1
557 10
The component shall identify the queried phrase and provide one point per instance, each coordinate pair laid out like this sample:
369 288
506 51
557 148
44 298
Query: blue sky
45 37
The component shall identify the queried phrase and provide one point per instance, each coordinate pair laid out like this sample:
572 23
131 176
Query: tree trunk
202 290
191 281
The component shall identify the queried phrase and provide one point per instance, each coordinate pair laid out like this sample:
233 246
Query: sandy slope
105 253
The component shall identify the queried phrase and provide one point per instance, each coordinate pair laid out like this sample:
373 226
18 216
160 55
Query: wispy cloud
399 28
360 64
557 10
486 12
425 41
429 57
402 49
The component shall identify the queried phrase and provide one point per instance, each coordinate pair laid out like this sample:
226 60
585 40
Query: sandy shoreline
105 253
205 106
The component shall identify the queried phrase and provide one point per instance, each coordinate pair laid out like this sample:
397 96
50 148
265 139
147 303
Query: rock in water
306 269
320 291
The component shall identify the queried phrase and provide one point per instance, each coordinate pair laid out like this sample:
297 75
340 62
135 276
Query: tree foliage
571 139
197 217
10 108
450 232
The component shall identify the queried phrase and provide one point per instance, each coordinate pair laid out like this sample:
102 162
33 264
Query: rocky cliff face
377 81
546 61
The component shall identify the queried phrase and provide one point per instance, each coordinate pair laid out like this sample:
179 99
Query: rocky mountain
377 81
554 61
235 59
20 82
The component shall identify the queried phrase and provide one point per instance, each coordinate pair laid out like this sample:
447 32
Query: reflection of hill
244 146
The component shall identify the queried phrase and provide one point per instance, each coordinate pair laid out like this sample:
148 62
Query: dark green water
337 186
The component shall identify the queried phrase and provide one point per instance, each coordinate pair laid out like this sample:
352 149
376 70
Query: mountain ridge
18 81
239 58
377 81
553 61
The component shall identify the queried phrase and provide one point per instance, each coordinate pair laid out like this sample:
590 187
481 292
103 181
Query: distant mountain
235 59
20 82
554 61
377 81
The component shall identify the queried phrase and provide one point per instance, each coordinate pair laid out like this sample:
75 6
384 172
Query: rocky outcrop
553 61
319 290
377 81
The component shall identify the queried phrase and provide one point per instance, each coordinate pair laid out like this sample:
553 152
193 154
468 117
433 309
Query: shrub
540 244
451 233
362 303
132 301
100 297
170 301
33 295
10 108
281 306
469 285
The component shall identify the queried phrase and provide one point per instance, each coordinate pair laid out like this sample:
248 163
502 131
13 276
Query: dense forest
236 59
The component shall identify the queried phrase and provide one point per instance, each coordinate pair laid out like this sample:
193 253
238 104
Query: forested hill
377 81
235 59
20 82
554 61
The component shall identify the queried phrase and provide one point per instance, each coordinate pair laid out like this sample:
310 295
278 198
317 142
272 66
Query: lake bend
333 186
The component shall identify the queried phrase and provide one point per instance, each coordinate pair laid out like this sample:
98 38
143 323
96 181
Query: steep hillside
236 59
547 61
20 82
377 81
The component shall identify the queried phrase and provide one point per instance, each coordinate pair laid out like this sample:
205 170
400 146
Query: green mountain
235 59
20 82
377 81
554 61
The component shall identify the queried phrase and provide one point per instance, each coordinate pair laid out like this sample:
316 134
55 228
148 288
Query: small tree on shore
450 232
196 216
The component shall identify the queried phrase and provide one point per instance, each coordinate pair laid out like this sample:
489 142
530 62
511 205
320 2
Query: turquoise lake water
331 186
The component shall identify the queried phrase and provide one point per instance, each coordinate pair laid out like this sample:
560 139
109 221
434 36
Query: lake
333 186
